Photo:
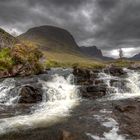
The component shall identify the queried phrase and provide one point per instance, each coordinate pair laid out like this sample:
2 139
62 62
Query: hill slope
94 52
58 45
51 38
6 40
135 57
91 51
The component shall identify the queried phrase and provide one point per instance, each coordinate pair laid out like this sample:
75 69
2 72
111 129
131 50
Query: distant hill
135 57
51 38
54 39
91 51
94 52
6 40
57 40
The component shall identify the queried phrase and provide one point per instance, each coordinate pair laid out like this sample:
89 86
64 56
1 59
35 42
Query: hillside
6 40
91 51
135 57
57 45
51 38
94 52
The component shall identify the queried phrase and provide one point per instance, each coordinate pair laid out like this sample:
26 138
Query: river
63 108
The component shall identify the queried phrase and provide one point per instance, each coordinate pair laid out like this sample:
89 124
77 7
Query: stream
63 113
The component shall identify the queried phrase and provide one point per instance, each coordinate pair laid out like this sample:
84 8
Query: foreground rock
128 114
92 84
93 92
114 71
29 94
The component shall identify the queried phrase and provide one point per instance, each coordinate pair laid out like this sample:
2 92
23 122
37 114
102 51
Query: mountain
57 43
6 40
135 57
93 51
51 38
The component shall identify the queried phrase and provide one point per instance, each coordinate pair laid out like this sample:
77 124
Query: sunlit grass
55 59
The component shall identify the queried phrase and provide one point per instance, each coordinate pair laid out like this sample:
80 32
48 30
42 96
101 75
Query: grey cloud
109 24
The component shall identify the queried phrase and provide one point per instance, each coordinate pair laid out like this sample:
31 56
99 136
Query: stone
115 71
30 94
126 108
127 112
93 92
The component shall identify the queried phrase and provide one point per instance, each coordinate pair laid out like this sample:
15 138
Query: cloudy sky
108 24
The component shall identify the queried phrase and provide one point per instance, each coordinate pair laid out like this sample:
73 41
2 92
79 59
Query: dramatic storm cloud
108 24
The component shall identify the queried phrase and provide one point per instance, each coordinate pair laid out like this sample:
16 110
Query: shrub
6 61
28 56
21 59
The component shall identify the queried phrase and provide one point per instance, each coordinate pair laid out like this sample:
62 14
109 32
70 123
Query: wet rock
85 76
30 94
118 82
67 135
4 74
26 80
126 108
93 92
93 95
127 112
96 88
98 81
115 71
134 67
81 72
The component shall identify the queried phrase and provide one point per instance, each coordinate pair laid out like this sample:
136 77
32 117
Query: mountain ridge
51 38
54 39
6 39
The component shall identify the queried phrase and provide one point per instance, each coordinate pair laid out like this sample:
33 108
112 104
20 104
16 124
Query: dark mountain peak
135 57
92 51
48 28
51 37
6 40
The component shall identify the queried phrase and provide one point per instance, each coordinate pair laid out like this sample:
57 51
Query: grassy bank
58 59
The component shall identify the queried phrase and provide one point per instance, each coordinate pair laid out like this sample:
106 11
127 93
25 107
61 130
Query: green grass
6 62
56 59
58 54
122 63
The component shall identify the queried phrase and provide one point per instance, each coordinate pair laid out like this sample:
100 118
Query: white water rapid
60 95
122 87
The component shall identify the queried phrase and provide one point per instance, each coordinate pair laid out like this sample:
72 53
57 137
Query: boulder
30 94
93 92
128 115
126 108
135 66
115 71
85 76
85 73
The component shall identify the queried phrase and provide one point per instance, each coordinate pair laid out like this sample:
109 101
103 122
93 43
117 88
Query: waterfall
122 87
60 95
8 92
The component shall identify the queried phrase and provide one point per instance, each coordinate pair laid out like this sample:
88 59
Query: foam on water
59 97
130 89
110 123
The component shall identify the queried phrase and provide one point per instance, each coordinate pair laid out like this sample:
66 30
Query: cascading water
119 88
5 87
60 95
122 87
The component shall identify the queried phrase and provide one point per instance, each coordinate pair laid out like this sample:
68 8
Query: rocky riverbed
106 105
